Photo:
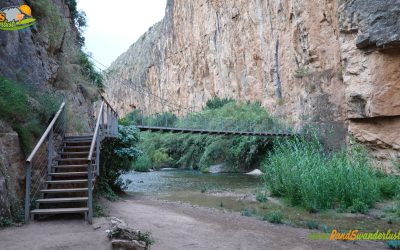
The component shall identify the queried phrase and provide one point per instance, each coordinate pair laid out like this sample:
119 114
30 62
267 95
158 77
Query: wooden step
71 166
77 147
79 141
60 210
78 136
62 200
64 190
69 174
75 153
67 181
71 159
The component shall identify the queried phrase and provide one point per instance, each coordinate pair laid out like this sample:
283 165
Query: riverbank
173 225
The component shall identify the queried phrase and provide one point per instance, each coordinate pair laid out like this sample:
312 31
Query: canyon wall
44 57
333 64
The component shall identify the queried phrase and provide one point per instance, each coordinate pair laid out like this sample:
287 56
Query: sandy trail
173 226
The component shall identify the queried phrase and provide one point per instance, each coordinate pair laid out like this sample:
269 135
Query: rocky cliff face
333 64
47 56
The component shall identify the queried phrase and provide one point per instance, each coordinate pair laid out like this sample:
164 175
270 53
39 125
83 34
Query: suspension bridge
62 169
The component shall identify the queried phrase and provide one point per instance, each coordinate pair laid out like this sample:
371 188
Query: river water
233 191
174 180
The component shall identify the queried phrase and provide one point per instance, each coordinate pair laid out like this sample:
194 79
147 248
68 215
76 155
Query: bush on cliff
27 109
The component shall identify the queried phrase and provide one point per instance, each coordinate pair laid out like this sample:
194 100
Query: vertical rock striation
332 64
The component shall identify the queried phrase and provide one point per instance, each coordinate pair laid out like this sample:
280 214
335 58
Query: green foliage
216 102
389 186
300 72
27 109
53 24
142 163
261 197
89 71
302 171
393 244
359 207
161 158
98 209
117 155
146 237
5 222
275 217
201 151
79 18
311 224
249 212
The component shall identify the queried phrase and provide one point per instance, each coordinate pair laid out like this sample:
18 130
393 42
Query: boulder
255 172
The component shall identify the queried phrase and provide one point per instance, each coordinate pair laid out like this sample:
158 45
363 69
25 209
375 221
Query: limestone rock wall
329 63
47 56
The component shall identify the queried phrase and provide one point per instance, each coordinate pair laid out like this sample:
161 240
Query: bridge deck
214 132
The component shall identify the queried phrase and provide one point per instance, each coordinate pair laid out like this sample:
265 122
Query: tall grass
302 171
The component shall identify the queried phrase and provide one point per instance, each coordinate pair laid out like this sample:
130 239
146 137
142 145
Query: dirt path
173 226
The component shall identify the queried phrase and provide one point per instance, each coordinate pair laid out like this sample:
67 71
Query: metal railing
198 122
40 161
106 126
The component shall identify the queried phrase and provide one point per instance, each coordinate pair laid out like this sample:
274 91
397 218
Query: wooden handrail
46 133
109 105
96 131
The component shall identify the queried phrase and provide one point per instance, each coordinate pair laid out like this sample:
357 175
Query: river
233 191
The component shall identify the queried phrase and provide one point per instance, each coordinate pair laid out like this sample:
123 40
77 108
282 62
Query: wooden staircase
63 183
67 183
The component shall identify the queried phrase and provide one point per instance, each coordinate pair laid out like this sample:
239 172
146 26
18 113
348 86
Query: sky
112 26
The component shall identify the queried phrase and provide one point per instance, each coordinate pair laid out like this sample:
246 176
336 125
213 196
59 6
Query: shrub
300 72
89 71
117 155
142 163
216 102
359 207
27 109
389 186
311 224
5 222
249 212
302 171
275 217
261 197
161 158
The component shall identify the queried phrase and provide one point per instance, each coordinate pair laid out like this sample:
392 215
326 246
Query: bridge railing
200 122
40 161
106 126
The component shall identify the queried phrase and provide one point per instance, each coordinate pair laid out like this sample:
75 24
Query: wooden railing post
90 192
49 154
98 154
28 172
